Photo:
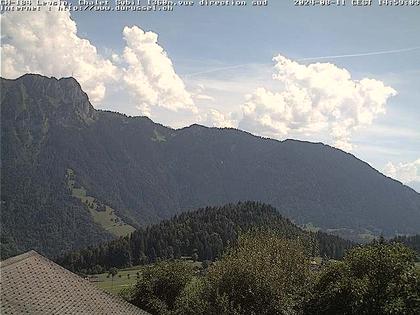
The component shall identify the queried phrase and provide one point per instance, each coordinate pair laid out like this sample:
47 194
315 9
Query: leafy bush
375 279
263 274
192 301
160 285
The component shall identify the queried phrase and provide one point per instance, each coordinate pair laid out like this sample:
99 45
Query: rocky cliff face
46 98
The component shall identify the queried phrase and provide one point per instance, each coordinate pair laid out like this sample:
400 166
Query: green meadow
125 278
102 214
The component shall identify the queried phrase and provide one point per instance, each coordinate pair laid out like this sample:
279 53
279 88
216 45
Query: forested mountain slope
146 172
203 234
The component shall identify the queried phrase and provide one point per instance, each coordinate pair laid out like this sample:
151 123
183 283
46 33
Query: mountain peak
63 98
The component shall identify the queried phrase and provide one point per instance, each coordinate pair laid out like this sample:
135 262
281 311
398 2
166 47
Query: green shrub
160 285
263 274
373 279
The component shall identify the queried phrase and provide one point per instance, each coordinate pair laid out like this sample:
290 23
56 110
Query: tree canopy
265 273
376 279
203 234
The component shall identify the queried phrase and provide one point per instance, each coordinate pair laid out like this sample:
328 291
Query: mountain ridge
148 172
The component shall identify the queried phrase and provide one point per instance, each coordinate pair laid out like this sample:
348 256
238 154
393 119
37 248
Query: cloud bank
47 43
314 98
215 118
150 75
39 42
408 173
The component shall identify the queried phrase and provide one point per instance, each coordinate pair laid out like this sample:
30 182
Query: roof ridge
18 258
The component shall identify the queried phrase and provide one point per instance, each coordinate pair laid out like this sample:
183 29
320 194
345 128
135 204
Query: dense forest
202 235
147 172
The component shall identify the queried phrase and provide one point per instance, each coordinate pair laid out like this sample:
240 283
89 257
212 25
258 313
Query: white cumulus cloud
150 75
215 118
204 97
47 43
405 172
199 94
314 98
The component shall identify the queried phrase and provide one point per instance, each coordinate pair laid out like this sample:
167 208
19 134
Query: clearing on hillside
102 214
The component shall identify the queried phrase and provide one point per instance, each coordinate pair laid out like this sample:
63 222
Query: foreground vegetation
245 258
412 242
265 273
204 234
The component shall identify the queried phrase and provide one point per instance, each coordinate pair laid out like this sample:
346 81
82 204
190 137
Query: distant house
32 284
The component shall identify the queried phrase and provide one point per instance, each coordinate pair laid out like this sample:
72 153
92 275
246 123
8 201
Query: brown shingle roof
32 284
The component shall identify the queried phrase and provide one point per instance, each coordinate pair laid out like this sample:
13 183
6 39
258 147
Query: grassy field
125 278
112 223
310 227
101 214
157 137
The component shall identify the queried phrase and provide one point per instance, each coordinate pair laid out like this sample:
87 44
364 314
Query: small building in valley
32 284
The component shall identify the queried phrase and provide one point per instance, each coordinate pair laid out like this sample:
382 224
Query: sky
345 76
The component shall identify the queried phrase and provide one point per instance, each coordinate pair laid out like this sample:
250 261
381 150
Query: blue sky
223 54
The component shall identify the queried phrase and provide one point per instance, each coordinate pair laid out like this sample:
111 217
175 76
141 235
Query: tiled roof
32 284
